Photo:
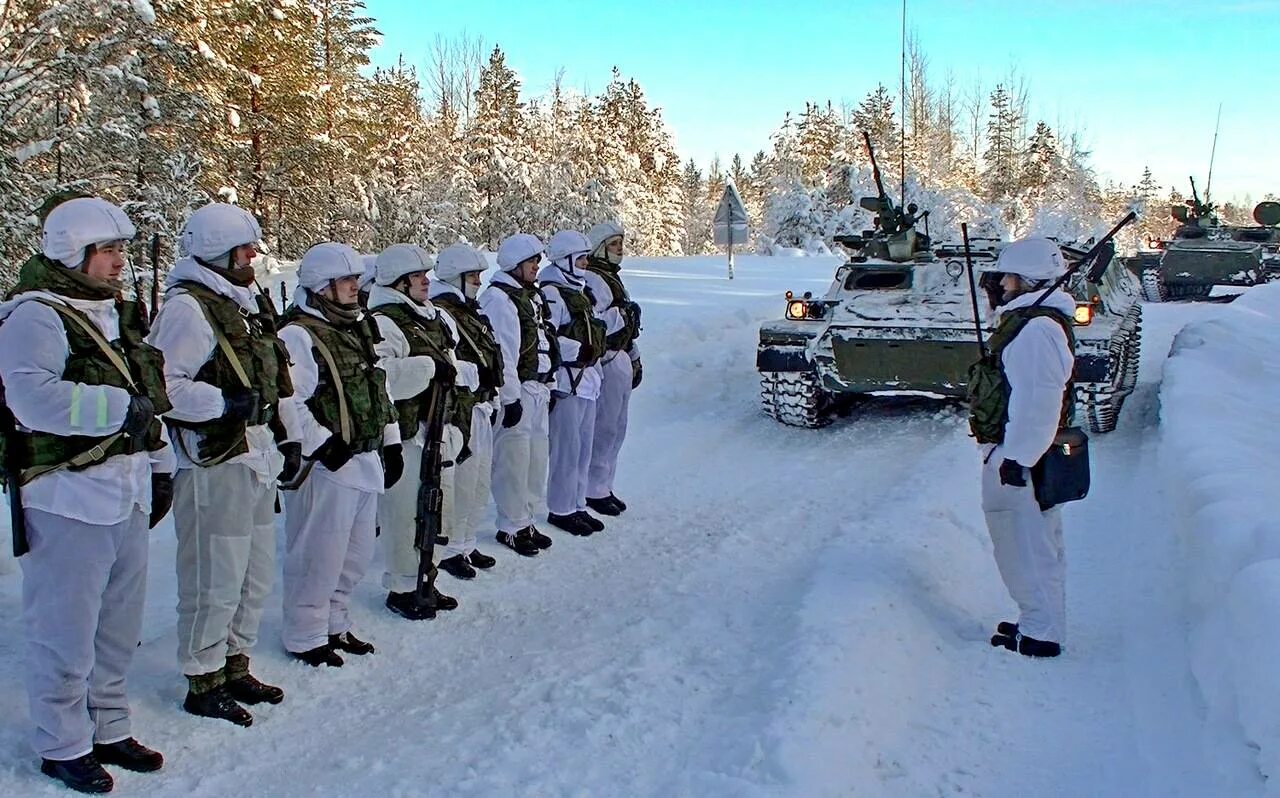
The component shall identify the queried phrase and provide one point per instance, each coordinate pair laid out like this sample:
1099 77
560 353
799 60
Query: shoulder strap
95 335
344 415
223 344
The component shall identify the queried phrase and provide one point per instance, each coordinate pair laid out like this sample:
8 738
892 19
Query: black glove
634 311
511 414
161 497
292 452
637 374
242 404
463 456
445 374
392 464
137 421
587 354
333 454
1012 473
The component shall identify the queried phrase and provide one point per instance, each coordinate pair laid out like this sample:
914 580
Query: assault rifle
428 523
155 276
12 475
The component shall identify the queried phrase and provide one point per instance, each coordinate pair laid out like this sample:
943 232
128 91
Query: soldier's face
105 262
613 248
527 271
471 284
416 286
243 255
344 290
1012 285
580 262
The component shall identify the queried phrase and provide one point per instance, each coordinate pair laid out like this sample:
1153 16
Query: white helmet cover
213 231
398 260
77 224
516 249
599 234
324 263
458 259
1033 259
565 247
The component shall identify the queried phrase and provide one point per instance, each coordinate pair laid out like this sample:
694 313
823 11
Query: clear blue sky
1141 80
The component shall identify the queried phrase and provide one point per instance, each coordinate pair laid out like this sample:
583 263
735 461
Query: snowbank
1220 451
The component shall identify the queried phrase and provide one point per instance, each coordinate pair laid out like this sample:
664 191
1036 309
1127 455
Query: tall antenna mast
902 103
1208 186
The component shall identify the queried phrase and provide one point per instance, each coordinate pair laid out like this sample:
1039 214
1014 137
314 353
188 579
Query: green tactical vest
87 363
429 337
989 387
364 385
259 354
619 341
530 319
478 344
582 325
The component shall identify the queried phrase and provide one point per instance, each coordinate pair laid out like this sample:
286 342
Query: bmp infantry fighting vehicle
898 318
1204 252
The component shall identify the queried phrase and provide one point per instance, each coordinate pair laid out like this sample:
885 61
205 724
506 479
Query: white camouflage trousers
225 520
83 587
329 535
471 484
1029 553
572 426
610 425
520 464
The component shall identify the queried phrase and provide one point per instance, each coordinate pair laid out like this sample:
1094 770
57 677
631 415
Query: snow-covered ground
1221 453
782 612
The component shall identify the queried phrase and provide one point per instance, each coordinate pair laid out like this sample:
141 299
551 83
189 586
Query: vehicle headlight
1083 315
797 310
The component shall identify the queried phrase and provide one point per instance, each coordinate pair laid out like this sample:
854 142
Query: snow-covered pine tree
498 154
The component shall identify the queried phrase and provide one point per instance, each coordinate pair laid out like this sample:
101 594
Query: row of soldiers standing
521 389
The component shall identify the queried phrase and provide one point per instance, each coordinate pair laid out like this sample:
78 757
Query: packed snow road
781 612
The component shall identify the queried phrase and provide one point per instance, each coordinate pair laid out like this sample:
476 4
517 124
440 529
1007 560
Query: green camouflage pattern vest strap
92 360
248 354
427 337
476 345
362 385
989 387
531 317
582 325
619 341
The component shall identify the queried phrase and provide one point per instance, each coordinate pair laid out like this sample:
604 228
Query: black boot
595 523
603 506
443 602
320 655
244 688
407 606
523 546
618 504
572 523
215 702
1007 628
351 644
82 774
458 567
540 540
1027 646
480 560
130 755
248 690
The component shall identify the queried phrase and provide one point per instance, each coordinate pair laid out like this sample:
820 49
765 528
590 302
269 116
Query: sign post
730 224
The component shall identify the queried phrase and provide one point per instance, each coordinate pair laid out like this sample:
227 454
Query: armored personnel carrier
898 318
1204 252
